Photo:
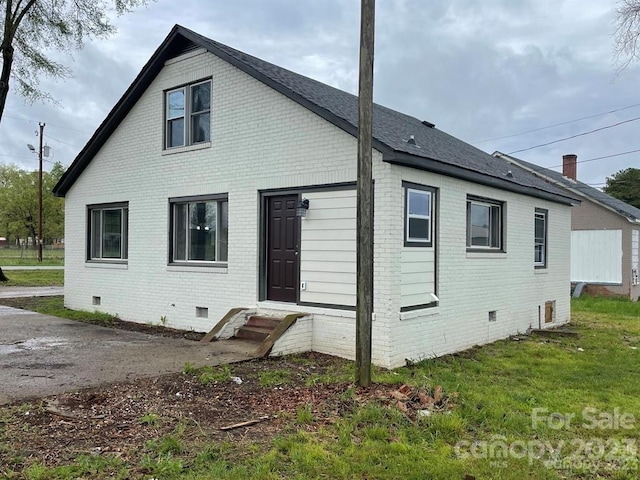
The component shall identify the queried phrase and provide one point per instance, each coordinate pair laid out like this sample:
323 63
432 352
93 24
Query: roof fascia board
434 166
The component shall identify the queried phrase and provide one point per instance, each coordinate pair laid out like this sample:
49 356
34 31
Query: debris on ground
417 402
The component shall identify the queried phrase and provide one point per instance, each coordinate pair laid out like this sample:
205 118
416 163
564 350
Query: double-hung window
188 115
484 224
199 229
540 238
108 232
418 215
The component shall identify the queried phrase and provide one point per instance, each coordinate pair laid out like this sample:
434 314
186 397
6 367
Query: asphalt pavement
42 355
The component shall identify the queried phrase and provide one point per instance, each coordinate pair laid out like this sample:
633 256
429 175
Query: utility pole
364 283
42 125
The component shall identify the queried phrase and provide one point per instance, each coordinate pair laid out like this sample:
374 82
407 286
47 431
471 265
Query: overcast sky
478 69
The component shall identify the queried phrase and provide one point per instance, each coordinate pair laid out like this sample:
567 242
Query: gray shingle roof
434 150
587 191
391 129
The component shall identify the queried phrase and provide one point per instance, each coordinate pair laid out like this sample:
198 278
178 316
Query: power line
601 158
556 124
575 136
48 124
60 141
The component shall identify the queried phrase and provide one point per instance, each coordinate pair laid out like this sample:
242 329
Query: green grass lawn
538 408
29 257
33 278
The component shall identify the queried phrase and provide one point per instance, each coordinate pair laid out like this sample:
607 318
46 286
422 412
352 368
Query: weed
150 419
274 378
304 415
164 466
219 374
163 320
166 444
189 368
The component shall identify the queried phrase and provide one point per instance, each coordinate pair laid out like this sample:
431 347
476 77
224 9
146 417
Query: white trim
490 253
192 269
188 148
105 264
409 216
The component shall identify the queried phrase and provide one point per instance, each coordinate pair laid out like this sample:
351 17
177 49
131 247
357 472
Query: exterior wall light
303 206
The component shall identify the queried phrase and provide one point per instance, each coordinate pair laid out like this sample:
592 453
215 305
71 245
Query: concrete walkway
18 292
42 355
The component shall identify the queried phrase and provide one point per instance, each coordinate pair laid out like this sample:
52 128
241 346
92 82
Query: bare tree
32 28
627 33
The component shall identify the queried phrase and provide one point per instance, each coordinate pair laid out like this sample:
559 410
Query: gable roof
433 151
577 187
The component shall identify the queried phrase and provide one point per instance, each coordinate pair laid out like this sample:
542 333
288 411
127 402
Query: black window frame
188 115
544 214
431 191
219 199
91 254
493 231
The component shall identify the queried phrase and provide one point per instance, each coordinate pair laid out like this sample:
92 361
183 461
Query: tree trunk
3 278
7 62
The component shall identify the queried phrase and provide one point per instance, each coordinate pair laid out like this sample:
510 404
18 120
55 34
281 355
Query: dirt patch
120 419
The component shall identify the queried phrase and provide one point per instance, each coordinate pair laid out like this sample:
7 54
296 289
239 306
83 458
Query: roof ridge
620 206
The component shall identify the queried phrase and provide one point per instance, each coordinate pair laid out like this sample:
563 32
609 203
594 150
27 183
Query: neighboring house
187 202
605 236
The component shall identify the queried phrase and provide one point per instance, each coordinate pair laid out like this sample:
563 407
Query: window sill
198 267
106 264
413 243
539 270
188 148
488 253
424 312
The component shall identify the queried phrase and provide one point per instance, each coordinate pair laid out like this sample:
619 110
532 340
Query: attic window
188 115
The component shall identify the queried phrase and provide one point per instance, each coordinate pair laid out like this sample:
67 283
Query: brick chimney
570 166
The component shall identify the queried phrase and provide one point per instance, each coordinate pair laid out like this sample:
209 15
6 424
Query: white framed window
540 238
199 229
484 224
418 221
188 115
108 232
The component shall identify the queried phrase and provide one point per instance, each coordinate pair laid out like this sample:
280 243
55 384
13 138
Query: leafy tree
32 27
19 204
625 186
627 33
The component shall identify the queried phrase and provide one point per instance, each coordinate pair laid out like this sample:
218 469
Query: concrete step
253 333
263 321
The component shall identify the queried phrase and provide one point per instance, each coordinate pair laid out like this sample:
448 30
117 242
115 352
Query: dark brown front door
282 248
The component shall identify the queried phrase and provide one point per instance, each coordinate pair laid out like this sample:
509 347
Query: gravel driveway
42 355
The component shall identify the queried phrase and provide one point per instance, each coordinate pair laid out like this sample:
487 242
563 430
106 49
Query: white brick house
183 205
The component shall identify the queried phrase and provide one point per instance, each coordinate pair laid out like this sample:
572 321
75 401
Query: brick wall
261 140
